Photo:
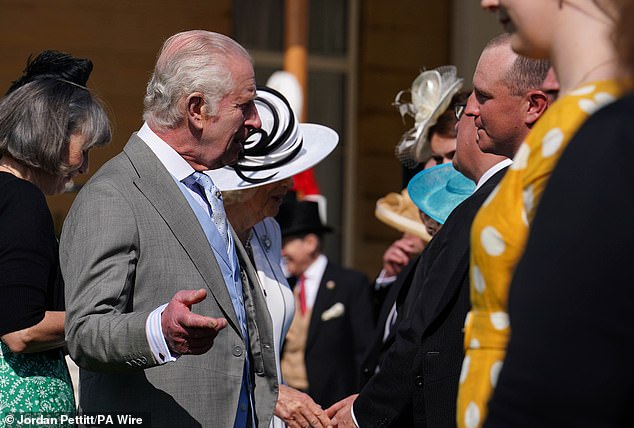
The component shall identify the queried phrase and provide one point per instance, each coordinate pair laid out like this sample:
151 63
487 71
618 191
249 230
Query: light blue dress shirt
227 259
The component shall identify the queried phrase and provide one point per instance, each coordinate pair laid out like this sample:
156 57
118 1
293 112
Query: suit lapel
159 187
259 321
397 294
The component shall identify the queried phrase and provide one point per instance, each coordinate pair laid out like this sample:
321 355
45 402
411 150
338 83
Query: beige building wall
395 41
122 39
471 29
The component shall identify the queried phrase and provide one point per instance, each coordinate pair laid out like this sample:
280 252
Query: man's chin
231 157
233 161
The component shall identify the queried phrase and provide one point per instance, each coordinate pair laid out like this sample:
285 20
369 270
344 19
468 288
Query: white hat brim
318 142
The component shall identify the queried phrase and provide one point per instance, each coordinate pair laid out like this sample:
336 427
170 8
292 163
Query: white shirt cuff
383 280
154 334
356 424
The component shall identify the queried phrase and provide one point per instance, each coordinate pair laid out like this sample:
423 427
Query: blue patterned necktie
214 197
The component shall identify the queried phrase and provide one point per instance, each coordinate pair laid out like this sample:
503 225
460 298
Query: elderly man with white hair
164 317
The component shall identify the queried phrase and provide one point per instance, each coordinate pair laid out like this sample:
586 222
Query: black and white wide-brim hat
280 149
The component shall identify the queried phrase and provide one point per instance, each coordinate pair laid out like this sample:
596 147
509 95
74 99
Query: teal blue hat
436 191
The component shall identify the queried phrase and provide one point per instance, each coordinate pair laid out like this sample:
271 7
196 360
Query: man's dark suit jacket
394 293
335 347
418 381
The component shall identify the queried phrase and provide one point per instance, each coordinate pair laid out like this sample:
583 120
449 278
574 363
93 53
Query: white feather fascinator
430 96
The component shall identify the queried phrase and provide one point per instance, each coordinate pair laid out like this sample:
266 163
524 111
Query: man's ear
312 242
194 104
537 105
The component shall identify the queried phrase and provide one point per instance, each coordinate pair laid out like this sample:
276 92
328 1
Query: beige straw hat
398 211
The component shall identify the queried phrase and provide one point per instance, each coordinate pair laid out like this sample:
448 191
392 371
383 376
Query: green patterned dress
35 383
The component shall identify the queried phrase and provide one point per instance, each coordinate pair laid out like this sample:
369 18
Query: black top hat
298 218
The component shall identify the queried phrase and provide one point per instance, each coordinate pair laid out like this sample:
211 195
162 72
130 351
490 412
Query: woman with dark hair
49 121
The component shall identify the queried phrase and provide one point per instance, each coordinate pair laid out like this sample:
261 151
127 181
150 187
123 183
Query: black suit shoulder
352 276
396 294
441 299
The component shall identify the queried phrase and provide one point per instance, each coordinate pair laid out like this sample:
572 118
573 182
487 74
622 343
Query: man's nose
252 118
490 5
472 108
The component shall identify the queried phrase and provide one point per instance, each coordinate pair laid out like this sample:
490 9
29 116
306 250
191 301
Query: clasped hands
186 332
340 413
297 409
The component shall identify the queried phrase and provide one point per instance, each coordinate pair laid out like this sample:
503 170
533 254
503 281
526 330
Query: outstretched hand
186 332
297 409
340 413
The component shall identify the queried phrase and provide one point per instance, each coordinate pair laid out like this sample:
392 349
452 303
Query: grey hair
38 119
526 73
191 61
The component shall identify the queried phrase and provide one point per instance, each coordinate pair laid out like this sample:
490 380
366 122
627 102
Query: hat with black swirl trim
280 149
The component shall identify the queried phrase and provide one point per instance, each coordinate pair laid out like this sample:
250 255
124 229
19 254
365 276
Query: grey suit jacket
129 243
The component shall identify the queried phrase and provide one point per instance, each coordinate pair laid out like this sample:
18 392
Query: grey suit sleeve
98 254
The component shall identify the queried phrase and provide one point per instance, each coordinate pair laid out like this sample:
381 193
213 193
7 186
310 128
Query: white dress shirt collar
312 279
491 171
173 162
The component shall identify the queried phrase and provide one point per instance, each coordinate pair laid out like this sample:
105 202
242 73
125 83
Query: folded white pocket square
336 310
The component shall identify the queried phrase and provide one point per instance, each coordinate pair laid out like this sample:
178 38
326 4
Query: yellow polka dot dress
498 236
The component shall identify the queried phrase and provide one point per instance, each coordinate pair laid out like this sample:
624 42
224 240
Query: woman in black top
48 122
